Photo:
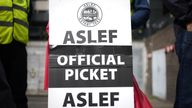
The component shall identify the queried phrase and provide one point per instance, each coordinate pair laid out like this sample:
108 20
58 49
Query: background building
36 47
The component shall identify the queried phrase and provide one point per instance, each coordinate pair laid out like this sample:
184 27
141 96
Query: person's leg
16 66
6 99
184 86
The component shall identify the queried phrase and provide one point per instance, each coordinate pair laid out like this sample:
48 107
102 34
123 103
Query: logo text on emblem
89 14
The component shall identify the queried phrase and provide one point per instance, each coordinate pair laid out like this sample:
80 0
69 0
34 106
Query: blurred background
155 63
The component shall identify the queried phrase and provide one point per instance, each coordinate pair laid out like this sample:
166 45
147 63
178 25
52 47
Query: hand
189 27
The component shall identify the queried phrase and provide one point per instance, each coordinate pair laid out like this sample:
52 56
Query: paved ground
38 101
41 102
156 103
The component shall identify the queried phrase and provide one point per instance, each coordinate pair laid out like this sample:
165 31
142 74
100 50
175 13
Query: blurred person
182 11
140 11
14 31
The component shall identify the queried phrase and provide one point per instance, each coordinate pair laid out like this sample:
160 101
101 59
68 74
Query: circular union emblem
89 14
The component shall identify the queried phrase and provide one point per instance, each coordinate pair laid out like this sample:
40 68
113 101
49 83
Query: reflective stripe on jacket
14 21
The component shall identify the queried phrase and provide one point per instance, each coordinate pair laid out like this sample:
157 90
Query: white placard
97 29
97 97
66 21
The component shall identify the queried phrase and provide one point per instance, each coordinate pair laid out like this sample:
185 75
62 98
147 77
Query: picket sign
90 61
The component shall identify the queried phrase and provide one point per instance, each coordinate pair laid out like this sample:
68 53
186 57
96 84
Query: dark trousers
184 80
13 75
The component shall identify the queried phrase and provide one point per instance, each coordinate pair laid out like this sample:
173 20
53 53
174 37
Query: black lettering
69 37
80 36
113 98
111 35
69 100
80 98
102 99
91 100
101 36
90 37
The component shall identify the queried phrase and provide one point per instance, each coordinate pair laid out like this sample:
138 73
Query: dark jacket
141 12
30 12
181 9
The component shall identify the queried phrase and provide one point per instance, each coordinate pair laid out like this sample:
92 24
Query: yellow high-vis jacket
14 21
